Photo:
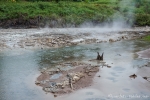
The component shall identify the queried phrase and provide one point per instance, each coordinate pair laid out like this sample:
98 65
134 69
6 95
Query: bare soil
81 74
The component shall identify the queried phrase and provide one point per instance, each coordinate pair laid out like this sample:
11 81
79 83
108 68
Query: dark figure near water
99 57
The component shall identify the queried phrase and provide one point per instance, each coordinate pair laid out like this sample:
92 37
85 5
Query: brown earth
22 23
81 73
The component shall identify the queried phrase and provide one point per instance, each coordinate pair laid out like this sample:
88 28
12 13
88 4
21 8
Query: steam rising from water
122 19
128 7
102 31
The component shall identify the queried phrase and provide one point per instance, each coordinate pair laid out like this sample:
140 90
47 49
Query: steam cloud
119 20
123 18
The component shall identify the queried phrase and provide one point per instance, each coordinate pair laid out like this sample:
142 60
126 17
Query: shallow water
19 69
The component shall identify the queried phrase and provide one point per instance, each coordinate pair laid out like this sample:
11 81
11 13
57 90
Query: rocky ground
68 77
63 79
53 38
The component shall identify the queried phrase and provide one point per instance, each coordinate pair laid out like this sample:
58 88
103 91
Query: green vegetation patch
135 11
71 12
146 38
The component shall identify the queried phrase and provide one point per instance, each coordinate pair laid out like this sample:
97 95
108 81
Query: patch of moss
146 38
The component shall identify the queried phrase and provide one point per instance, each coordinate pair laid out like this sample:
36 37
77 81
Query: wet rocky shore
54 38
67 77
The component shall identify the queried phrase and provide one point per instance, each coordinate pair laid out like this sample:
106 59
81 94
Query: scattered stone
133 76
99 76
123 37
55 95
108 66
37 82
80 75
50 40
145 78
111 40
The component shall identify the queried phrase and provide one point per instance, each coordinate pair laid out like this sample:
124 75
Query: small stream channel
20 68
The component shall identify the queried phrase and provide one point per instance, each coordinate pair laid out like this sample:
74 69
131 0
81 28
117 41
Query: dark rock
133 76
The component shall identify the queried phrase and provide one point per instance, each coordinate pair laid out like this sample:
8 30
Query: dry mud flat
68 77
54 38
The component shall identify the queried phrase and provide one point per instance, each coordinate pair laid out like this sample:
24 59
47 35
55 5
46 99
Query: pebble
99 76
55 95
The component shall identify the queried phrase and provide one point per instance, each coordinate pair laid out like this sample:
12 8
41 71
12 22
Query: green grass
73 12
68 11
147 38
